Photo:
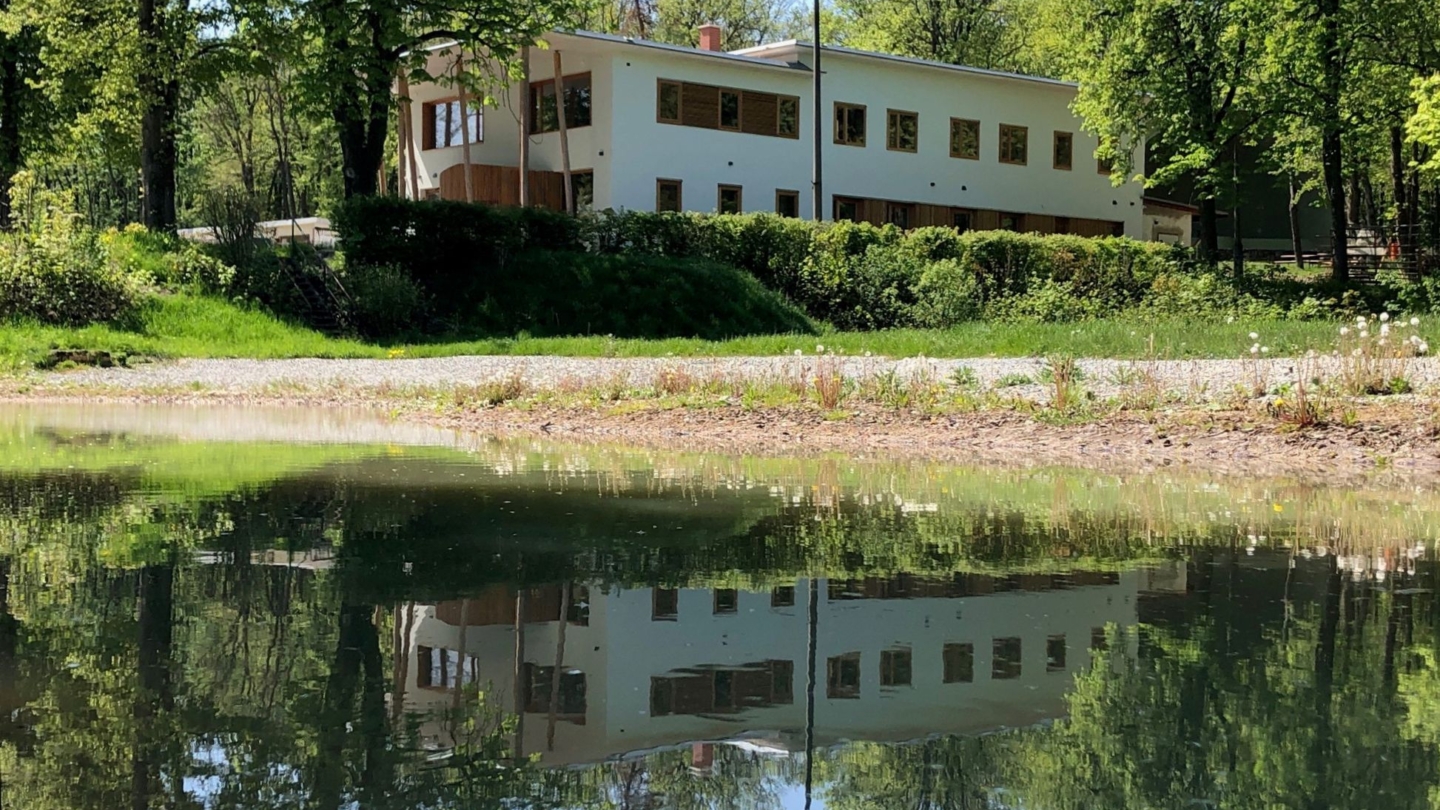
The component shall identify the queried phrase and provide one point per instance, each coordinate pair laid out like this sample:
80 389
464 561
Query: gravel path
1193 379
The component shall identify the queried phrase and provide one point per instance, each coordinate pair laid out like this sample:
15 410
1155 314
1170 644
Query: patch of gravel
1194 380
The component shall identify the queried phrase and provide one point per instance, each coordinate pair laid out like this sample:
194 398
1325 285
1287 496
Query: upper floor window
1014 144
735 110
1064 150
964 138
545 117
849 124
1104 165
902 131
443 125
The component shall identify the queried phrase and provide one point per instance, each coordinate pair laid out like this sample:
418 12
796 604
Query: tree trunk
1208 240
1237 245
12 89
156 620
1397 183
161 96
1297 244
1332 155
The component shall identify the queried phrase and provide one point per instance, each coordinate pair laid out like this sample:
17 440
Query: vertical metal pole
814 598
819 116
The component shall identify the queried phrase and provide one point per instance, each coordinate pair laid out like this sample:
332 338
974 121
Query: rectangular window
846 210
1014 144
1104 165
1055 653
730 110
664 604
964 138
662 696
728 200
1062 225
849 124
582 189
787 203
443 126
1064 150
782 596
789 117
544 116
842 676
538 681
1098 640
667 102
959 663
895 667
667 195
782 682
962 219
726 601
1011 222
898 214
1005 659
902 131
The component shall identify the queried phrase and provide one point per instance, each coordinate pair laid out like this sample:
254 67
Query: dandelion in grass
1384 316
1255 349
1264 349
1364 333
1344 330
1254 335
1414 321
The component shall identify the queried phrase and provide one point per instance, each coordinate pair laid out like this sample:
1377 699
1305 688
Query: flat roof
734 57
797 45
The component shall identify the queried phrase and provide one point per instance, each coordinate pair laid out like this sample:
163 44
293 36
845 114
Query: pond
252 609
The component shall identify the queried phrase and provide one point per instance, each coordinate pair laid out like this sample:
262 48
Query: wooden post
402 135
564 139
409 146
525 126
518 747
460 665
464 128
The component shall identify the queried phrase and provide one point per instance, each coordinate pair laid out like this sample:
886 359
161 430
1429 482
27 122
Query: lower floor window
667 195
787 203
582 190
729 200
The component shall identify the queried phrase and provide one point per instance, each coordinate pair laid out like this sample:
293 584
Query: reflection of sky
792 797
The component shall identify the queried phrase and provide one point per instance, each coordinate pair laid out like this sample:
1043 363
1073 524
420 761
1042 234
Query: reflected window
1098 639
664 605
439 668
959 663
782 596
539 681
842 676
662 696
579 612
782 681
1005 659
1055 653
727 600
895 667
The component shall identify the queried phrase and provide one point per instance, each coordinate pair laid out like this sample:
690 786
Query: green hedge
854 276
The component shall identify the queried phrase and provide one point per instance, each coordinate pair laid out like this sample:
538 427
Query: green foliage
632 297
387 301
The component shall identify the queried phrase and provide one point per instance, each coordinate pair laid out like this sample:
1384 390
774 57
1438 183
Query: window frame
907 209
1054 643
968 213
733 608
782 596
779 133
835 667
1105 166
838 200
962 656
679 101
892 131
1059 135
786 192
849 108
720 190
1007 669
574 173
739 110
890 665
1007 139
953 122
429 133
679 194
655 614
537 102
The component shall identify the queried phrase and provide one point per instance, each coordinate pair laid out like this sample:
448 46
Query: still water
245 609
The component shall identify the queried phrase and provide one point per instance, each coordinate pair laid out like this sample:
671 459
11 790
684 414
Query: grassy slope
187 326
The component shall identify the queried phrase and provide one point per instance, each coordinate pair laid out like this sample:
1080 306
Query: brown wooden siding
500 185
923 215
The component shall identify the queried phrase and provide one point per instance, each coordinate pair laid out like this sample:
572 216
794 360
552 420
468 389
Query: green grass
188 326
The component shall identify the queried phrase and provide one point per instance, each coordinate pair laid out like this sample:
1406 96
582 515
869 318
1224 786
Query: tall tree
980 33
1181 73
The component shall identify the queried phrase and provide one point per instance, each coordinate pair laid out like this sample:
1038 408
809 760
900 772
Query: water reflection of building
897 658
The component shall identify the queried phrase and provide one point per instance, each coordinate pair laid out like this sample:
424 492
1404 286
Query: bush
56 272
550 293
946 295
385 301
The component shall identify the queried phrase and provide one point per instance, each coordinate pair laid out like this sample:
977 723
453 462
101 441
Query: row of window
710 107
902 134
842 672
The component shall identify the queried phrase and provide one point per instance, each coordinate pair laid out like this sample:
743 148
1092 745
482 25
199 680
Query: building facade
661 127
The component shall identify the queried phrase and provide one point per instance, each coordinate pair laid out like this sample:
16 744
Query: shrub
385 301
551 293
54 271
946 295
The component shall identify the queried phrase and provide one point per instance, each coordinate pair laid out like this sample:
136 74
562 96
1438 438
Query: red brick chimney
710 37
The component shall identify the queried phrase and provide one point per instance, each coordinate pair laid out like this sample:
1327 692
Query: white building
653 126
896 659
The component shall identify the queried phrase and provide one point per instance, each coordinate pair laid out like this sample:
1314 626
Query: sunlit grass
188 326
